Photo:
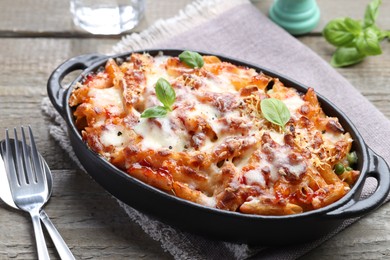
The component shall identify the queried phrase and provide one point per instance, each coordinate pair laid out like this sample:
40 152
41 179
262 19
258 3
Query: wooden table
36 36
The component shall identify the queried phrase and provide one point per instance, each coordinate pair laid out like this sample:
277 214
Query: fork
27 181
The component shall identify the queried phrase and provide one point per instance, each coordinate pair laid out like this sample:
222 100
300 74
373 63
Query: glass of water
107 16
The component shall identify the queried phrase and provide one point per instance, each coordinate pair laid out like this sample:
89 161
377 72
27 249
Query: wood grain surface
36 36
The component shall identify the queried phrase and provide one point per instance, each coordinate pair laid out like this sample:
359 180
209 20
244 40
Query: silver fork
28 183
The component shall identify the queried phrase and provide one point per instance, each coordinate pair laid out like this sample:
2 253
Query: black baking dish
210 222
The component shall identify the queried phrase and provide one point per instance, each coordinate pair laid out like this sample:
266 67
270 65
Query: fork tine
23 161
18 161
37 162
26 159
7 147
10 164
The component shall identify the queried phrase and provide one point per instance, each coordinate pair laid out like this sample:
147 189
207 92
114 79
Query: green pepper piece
339 168
352 158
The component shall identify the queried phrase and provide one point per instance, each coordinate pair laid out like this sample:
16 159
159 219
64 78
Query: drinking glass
107 16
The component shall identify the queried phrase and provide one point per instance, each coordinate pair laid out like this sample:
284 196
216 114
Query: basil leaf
275 111
381 34
345 56
165 93
167 96
353 26
368 42
340 32
152 112
371 13
192 59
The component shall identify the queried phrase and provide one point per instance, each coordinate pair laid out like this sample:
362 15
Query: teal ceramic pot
295 16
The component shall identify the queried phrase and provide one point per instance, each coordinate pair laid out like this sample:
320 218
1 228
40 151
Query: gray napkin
239 30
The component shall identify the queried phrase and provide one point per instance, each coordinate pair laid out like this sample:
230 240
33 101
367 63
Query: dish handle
55 89
379 170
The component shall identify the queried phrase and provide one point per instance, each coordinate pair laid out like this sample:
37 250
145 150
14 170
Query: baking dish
210 222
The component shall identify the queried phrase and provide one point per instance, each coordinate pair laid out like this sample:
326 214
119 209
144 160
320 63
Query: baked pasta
213 144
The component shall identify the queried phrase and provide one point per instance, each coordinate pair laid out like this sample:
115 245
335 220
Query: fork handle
39 238
62 249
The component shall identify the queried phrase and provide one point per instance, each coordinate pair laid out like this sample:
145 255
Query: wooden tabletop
36 36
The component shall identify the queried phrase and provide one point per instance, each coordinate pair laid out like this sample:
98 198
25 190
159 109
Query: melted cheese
332 138
281 164
156 72
107 98
113 135
254 177
161 135
293 103
219 84
277 137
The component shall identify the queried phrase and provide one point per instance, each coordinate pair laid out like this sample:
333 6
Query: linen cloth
237 29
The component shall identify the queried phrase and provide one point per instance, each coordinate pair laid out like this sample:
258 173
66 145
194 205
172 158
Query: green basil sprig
192 59
355 39
166 95
153 112
275 111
